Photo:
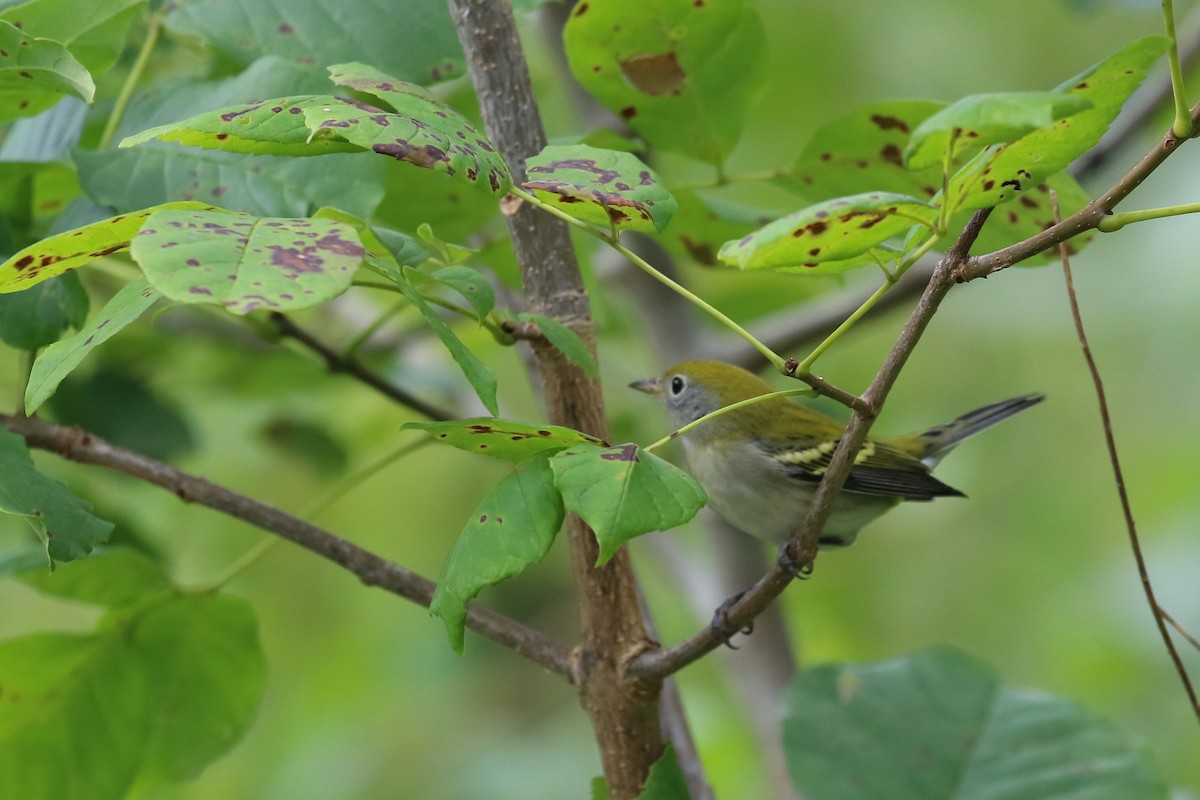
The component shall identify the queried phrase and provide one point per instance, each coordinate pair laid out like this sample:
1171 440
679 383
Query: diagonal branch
803 547
79 445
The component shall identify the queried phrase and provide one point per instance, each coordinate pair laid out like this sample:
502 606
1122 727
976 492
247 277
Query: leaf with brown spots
682 74
36 73
511 530
56 254
503 438
607 188
832 236
246 263
623 492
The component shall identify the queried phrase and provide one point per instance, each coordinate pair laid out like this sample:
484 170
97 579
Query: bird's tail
938 440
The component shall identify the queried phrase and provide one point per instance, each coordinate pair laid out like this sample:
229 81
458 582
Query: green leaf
503 438
938 724
245 263
607 188
469 283
1031 214
864 150
1002 171
63 522
511 530
681 74
36 73
117 578
202 656
60 358
978 120
64 251
424 48
704 223
566 340
665 781
832 231
94 32
41 314
623 492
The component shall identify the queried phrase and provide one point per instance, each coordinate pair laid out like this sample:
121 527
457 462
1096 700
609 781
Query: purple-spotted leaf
608 188
36 73
422 131
267 127
978 120
624 491
57 254
503 438
59 359
834 231
681 74
246 263
63 522
511 530
1001 172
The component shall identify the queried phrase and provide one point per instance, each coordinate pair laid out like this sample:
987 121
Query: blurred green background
1033 573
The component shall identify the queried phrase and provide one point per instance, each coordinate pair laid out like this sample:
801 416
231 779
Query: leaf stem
726 409
1182 126
153 29
612 241
1114 222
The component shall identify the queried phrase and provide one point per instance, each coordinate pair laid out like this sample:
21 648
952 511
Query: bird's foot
721 626
798 570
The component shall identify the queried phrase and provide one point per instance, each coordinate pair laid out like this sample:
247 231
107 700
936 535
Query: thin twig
1174 623
1111 443
78 445
348 365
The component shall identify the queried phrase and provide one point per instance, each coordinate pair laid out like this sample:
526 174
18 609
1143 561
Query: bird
760 464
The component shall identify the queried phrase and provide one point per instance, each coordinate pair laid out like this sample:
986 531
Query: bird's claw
799 571
720 623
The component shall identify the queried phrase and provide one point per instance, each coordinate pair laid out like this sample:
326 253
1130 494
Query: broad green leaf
423 132
1030 214
246 263
938 724
94 32
978 120
265 127
117 578
864 151
665 781
704 223
64 251
416 43
202 656
1000 172
60 358
468 283
835 230
681 74
510 531
608 188
566 340
63 522
83 700
503 438
41 314
36 73
623 492
600 789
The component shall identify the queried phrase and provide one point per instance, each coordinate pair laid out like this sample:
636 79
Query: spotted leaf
246 263
511 530
624 491
61 252
503 438
36 73
840 230
603 187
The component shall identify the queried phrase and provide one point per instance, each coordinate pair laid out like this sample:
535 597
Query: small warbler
760 464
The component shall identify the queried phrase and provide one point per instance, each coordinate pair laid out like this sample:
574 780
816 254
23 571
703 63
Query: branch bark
79 445
624 714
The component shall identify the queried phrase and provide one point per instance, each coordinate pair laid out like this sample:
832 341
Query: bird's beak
647 385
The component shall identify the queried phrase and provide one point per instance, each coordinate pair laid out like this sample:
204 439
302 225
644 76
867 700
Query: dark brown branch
336 362
1126 508
78 445
803 547
624 715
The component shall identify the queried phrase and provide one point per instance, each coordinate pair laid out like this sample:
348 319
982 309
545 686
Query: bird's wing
879 469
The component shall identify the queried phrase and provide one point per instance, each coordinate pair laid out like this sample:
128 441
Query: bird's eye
677 384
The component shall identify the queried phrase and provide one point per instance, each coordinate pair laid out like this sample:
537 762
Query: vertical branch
624 715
